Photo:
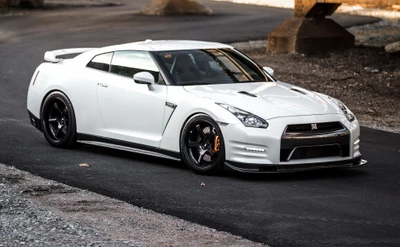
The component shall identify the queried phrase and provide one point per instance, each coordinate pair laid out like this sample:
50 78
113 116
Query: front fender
186 106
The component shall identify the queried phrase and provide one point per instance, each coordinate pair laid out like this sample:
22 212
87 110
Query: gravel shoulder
39 212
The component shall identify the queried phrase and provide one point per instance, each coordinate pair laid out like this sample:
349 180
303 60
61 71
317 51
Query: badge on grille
314 126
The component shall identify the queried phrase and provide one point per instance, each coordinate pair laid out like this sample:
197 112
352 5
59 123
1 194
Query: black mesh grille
316 152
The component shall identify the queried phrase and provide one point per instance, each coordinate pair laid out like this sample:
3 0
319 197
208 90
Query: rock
175 7
371 70
393 47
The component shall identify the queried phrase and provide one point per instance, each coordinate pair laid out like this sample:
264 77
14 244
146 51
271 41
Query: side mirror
143 78
269 70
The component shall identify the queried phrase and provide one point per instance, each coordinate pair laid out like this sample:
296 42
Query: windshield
211 66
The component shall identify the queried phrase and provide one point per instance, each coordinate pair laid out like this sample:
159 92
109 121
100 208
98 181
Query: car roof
152 45
169 45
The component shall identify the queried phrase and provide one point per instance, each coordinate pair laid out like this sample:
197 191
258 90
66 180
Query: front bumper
35 121
270 150
257 168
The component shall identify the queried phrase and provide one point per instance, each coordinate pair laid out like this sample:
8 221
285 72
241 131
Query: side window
101 62
128 63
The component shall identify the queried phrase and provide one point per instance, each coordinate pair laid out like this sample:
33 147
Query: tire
58 121
199 148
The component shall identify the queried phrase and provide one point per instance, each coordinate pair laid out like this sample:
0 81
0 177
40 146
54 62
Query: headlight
349 115
247 118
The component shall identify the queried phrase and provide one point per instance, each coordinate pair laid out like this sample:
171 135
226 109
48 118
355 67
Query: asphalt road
358 207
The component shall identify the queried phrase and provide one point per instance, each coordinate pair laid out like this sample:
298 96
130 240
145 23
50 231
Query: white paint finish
237 137
144 78
116 107
52 56
187 105
131 112
87 110
274 99
269 70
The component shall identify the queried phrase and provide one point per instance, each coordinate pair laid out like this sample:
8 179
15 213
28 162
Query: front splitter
257 168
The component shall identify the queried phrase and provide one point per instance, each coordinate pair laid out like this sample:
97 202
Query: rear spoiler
52 56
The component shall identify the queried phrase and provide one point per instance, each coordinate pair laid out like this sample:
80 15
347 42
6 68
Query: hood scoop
248 94
298 90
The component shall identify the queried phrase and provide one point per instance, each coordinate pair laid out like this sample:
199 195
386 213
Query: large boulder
175 7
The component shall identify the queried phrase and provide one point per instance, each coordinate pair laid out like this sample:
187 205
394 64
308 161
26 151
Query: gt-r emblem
314 126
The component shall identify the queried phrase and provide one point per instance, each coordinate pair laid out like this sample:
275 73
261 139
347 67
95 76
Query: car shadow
333 173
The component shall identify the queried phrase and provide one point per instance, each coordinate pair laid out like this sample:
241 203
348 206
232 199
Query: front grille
326 127
308 141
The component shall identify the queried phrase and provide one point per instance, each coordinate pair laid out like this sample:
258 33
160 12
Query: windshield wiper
194 83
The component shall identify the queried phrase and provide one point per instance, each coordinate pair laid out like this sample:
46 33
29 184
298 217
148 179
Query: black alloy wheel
58 120
202 145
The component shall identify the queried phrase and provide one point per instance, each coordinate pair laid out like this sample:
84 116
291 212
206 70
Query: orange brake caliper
217 144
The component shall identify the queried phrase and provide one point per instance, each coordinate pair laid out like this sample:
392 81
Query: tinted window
211 66
128 63
101 62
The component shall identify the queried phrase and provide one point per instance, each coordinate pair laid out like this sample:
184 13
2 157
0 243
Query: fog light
261 150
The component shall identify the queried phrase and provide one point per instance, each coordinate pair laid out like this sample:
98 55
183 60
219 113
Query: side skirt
128 146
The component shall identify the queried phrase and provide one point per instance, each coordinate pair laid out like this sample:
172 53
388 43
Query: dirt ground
366 79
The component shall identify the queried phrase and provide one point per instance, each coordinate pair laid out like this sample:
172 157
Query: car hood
267 99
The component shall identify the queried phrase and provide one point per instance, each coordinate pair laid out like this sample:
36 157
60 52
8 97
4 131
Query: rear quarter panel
77 83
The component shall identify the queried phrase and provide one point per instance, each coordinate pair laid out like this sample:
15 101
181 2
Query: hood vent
298 90
248 94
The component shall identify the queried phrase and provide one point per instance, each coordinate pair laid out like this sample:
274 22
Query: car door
132 112
87 111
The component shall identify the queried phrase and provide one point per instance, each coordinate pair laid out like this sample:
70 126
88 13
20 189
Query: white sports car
204 103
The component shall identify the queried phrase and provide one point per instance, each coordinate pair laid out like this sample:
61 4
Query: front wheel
58 121
202 145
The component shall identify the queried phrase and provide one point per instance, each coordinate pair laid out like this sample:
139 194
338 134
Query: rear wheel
58 121
202 145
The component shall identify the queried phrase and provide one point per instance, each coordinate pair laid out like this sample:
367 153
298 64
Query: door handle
101 84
